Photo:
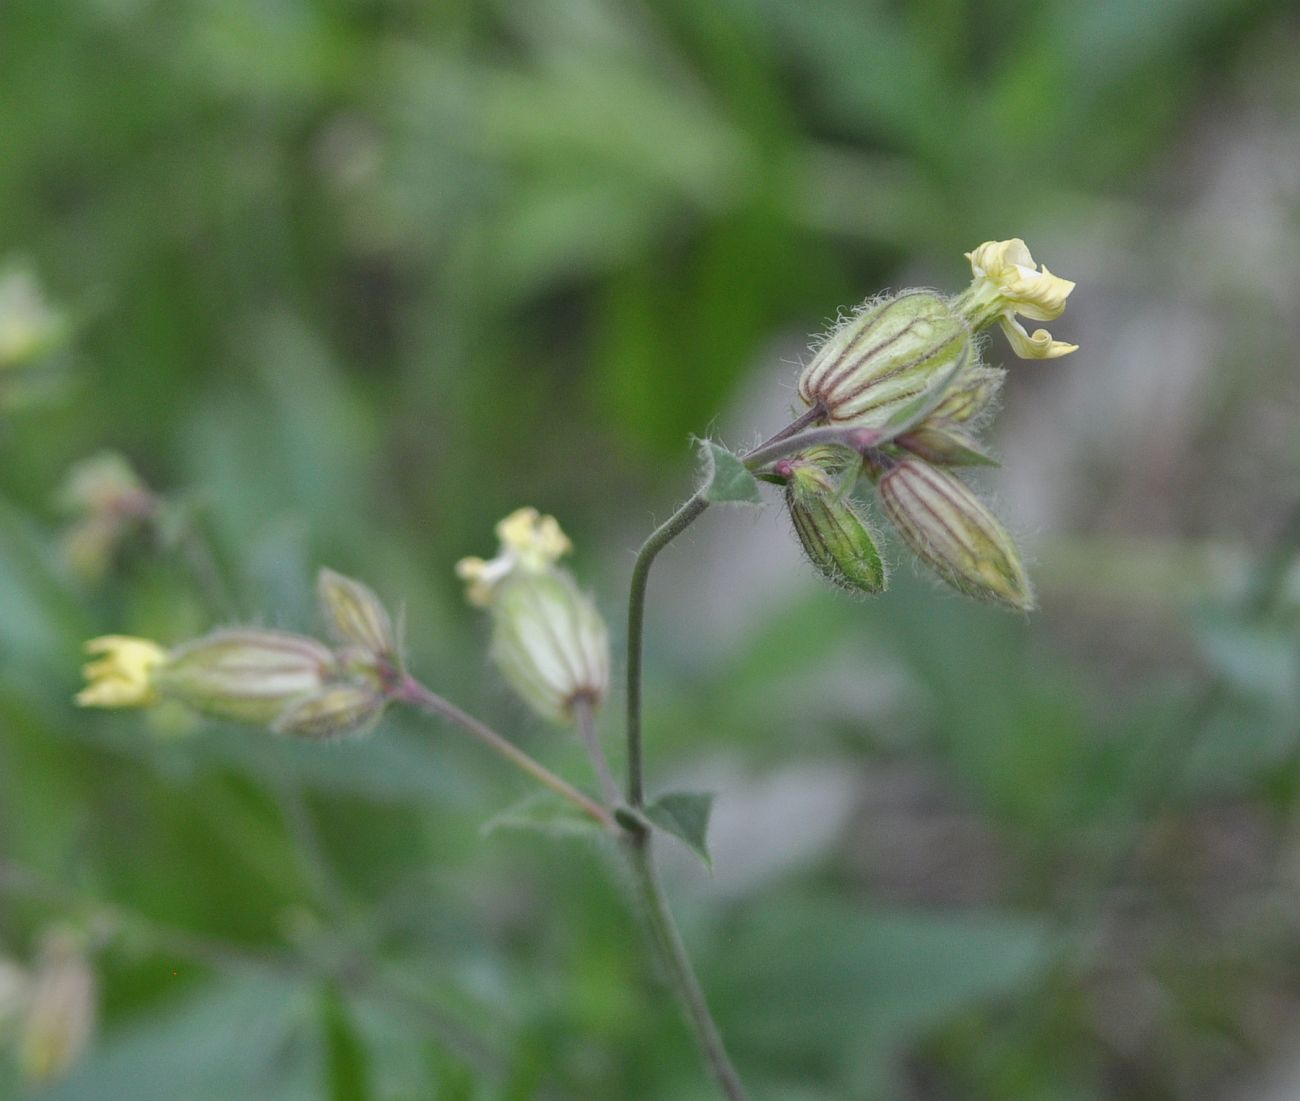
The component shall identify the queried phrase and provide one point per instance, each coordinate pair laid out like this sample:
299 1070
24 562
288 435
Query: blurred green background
348 280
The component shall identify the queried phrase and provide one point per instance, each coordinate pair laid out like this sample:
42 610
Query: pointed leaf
726 478
685 814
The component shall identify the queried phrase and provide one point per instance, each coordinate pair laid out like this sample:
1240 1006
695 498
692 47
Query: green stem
413 692
673 952
669 530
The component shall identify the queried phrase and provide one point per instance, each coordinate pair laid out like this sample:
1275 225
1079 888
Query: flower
550 643
124 674
530 543
1007 282
289 683
548 638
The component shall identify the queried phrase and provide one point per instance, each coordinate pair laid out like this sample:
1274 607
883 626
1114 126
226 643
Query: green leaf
543 812
346 1064
726 478
685 814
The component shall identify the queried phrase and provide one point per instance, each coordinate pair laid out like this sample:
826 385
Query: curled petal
1038 346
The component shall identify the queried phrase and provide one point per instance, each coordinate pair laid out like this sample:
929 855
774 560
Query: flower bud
944 443
949 528
349 707
550 643
108 502
61 1011
832 530
971 396
355 615
250 676
888 354
1007 282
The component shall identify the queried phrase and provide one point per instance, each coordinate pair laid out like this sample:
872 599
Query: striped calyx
951 530
891 352
288 682
833 530
550 643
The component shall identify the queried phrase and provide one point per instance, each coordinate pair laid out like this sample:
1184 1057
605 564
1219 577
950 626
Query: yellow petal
1038 346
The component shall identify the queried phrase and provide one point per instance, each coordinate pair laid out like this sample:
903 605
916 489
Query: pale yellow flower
1007 282
123 675
530 543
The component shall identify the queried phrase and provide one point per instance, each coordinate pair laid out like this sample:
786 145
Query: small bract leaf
685 814
726 478
543 812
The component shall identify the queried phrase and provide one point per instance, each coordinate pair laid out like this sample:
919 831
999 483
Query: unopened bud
944 443
250 676
61 1010
833 531
349 707
971 395
890 353
356 616
550 643
950 529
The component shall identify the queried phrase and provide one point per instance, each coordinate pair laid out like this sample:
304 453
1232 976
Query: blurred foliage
347 280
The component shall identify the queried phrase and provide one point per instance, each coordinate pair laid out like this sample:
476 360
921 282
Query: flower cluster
908 367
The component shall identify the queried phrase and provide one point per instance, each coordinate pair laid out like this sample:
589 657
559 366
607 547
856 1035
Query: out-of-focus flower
530 543
123 674
61 1010
548 638
289 683
108 502
29 325
1007 282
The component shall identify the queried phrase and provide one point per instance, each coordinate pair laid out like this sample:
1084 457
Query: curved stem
669 530
413 692
673 951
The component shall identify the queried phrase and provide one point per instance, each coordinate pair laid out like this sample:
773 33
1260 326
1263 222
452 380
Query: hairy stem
678 964
413 692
